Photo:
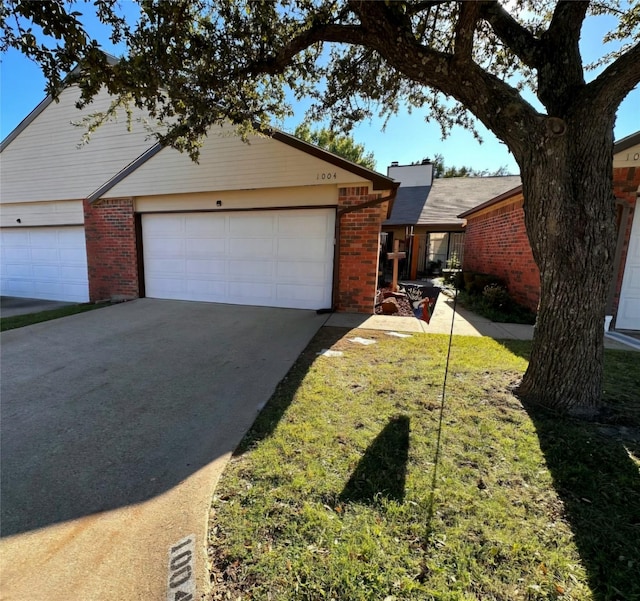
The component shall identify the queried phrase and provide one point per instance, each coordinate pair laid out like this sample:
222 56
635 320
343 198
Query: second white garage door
44 262
628 317
267 258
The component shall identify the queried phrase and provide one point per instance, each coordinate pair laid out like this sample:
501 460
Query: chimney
418 174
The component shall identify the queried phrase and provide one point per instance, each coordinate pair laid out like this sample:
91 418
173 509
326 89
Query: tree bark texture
570 221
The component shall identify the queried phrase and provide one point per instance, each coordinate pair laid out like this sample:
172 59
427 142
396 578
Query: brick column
110 232
358 251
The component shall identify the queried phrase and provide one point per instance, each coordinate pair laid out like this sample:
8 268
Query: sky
407 137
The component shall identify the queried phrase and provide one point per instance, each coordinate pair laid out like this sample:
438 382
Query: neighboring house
275 222
425 214
496 241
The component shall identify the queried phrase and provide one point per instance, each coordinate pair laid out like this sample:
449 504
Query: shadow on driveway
114 407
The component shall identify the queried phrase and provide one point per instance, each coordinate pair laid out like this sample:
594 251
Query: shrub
497 296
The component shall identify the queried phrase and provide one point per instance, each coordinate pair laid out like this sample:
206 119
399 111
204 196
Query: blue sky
407 137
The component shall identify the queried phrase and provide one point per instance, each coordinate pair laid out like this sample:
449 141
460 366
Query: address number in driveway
182 578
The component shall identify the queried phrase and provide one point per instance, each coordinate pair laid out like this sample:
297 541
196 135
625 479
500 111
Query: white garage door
44 262
628 317
266 258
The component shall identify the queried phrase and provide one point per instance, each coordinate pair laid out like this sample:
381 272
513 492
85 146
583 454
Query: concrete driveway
116 425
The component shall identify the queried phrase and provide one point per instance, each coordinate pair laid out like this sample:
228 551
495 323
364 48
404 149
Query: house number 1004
321 176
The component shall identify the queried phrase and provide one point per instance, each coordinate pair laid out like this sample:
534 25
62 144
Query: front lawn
334 493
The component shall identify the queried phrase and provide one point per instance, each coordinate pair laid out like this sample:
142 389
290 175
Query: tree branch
518 38
465 29
566 23
345 34
608 90
560 74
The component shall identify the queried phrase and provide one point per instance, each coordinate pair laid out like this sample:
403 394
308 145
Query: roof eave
492 201
626 142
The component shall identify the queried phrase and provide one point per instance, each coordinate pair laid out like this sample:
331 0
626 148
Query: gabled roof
441 203
493 201
408 205
42 159
626 142
12 135
379 181
619 146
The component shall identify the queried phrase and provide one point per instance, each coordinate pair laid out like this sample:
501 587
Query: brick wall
626 181
111 249
358 251
496 242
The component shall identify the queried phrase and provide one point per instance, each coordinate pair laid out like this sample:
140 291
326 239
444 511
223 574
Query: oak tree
194 63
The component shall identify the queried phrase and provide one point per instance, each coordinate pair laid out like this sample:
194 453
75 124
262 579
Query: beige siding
228 163
45 161
628 158
42 213
240 199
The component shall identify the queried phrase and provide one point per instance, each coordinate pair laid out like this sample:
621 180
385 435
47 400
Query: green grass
331 494
20 321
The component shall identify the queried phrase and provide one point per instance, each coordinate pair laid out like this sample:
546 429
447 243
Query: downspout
336 255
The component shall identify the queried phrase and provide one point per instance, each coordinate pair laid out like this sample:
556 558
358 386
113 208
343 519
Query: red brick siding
496 242
111 249
625 186
358 251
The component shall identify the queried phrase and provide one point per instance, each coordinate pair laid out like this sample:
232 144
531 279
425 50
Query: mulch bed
404 304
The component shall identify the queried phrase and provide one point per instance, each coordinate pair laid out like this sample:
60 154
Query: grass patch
331 496
20 321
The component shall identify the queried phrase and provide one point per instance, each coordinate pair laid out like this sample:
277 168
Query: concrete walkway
465 323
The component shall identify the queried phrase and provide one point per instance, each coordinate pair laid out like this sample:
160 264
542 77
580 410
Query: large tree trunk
570 220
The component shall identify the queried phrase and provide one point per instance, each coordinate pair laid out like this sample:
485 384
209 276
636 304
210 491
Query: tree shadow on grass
595 469
596 478
381 473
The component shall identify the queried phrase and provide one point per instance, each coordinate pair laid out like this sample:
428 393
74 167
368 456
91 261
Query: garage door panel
44 262
15 238
251 247
204 228
71 273
206 267
249 226
303 226
254 269
72 256
299 292
15 255
44 239
205 247
297 248
167 286
307 272
251 293
46 272
164 247
164 267
257 258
